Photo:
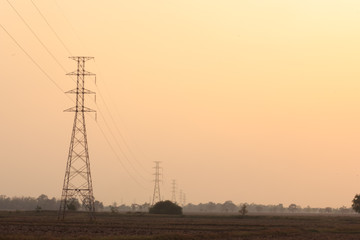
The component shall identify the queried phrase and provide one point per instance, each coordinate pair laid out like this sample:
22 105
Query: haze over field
249 101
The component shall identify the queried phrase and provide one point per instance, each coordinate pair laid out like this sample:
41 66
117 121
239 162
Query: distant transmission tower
156 195
77 181
173 192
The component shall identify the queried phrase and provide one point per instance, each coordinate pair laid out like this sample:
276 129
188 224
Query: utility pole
77 180
184 200
173 192
156 195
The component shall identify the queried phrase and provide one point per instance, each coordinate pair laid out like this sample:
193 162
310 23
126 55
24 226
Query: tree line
230 207
43 202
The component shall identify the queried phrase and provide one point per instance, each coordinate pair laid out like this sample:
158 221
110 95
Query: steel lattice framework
156 195
173 191
77 181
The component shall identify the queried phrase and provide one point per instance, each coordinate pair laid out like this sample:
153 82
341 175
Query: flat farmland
44 225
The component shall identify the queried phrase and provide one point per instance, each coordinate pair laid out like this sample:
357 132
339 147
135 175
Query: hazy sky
250 101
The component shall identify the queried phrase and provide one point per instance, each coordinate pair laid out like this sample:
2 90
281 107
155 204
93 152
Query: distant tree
135 207
42 199
243 211
328 210
356 203
228 206
307 209
73 204
145 207
344 210
166 207
45 203
201 207
114 208
280 207
292 207
274 208
99 206
191 208
210 206
123 208
28 203
259 208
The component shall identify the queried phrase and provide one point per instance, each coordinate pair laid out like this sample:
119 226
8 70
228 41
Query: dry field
44 225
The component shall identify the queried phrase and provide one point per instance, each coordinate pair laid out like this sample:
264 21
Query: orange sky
250 101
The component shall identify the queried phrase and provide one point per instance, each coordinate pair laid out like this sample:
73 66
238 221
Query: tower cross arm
81 58
85 91
86 73
83 109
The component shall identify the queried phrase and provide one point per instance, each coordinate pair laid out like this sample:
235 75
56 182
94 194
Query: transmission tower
173 192
156 195
77 180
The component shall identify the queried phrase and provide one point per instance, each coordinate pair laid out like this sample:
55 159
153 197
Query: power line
117 157
113 121
52 55
36 36
109 112
118 145
48 76
52 29
118 131
123 138
71 26
36 64
106 106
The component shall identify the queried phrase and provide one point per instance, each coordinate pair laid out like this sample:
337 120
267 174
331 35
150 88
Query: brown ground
44 225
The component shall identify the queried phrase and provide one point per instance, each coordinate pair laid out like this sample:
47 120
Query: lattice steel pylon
156 195
173 191
77 180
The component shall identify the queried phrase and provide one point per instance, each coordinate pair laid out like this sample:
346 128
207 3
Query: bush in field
166 207
356 203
